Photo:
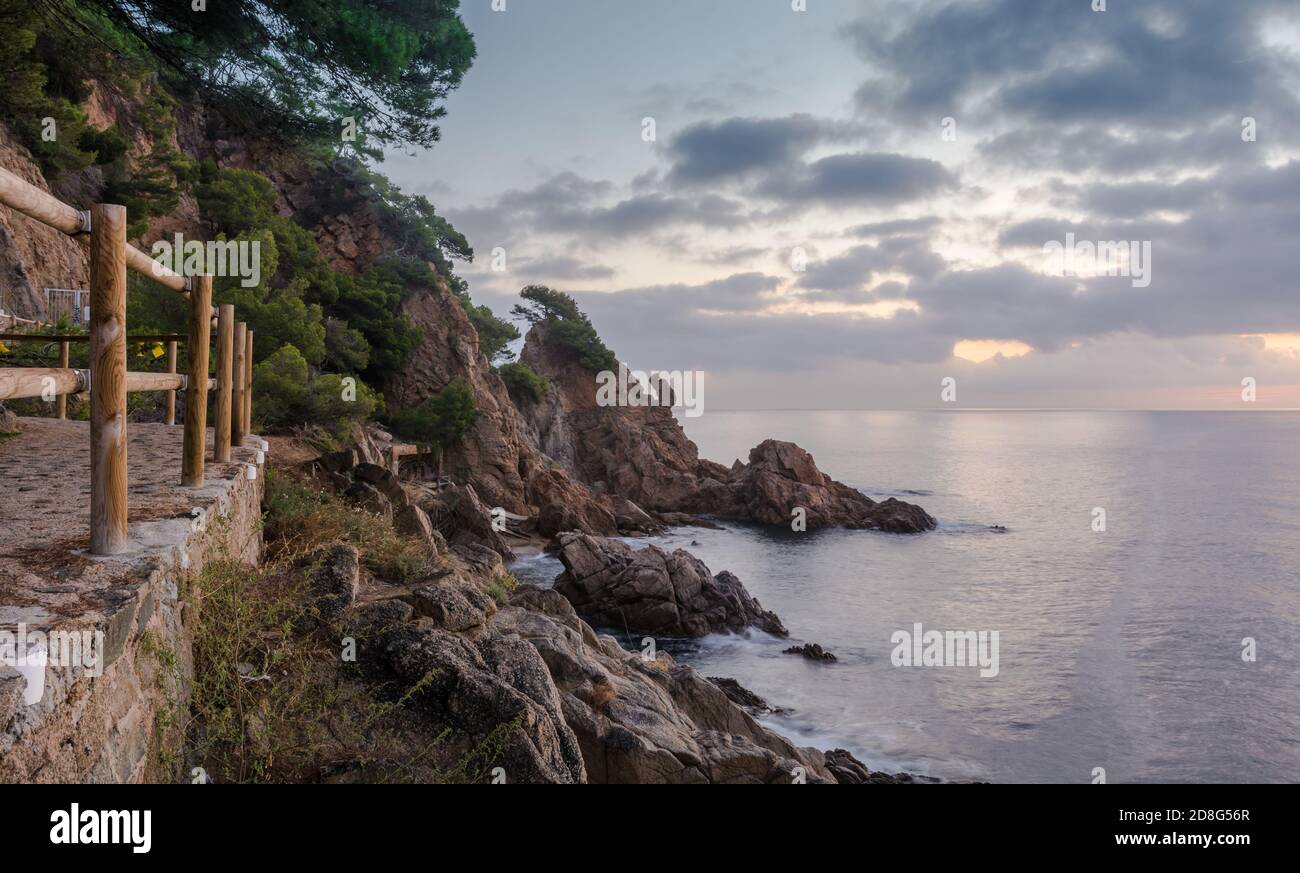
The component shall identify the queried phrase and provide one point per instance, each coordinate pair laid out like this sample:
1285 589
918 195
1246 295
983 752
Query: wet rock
812 652
741 696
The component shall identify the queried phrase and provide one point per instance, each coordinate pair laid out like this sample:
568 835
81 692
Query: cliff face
33 256
642 453
495 455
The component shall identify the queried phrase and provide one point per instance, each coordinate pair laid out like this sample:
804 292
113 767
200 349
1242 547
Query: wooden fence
107 379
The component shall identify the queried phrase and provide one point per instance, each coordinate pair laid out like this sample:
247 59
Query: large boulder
564 505
655 592
641 720
463 519
495 690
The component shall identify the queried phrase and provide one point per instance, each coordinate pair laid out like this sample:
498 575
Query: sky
842 207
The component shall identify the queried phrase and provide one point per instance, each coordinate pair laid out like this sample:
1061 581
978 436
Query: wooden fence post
248 384
171 368
108 470
196 386
225 372
61 402
237 422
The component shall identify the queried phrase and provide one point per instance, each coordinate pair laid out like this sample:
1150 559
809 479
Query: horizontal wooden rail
31 201
102 229
17 383
85 337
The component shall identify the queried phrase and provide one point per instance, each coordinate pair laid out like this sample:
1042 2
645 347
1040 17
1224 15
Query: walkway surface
45 506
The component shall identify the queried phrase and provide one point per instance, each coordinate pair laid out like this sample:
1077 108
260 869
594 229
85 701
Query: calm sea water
1119 649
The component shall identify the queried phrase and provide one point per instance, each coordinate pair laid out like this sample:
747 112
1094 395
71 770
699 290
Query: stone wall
122 725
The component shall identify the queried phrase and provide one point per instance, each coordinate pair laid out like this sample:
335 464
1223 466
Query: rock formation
642 453
652 591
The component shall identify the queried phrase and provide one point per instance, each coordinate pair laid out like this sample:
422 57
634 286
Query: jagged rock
335 578
812 652
741 696
648 721
781 477
458 514
383 614
453 606
369 498
563 505
682 519
383 481
641 453
497 690
848 770
652 591
482 562
8 421
413 521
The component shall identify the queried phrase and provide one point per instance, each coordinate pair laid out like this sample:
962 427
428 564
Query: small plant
502 586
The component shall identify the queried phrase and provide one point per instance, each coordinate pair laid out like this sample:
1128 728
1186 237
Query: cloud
863 179
715 151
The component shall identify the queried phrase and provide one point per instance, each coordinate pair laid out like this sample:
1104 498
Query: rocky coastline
580 479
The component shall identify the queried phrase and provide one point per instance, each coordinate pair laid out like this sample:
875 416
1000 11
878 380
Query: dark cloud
853 269
861 179
895 227
715 151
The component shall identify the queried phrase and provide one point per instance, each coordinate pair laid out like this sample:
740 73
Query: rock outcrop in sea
651 591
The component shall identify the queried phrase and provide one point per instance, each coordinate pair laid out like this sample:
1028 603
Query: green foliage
440 421
297 69
567 326
300 291
43 69
423 235
523 383
546 304
346 349
285 393
153 186
494 334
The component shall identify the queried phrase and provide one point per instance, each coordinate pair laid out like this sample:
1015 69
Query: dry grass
275 697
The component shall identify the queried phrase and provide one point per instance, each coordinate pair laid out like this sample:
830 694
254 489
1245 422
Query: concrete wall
123 725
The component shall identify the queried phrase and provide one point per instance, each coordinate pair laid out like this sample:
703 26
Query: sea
1141 572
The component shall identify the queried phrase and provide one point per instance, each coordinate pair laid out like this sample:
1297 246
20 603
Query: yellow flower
4 349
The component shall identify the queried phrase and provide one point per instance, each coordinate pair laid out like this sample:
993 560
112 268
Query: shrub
523 383
285 393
